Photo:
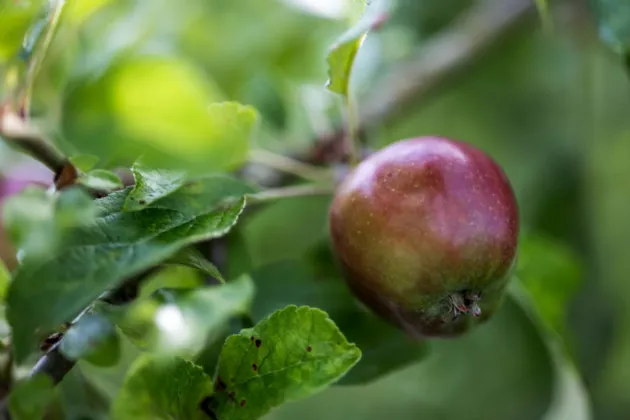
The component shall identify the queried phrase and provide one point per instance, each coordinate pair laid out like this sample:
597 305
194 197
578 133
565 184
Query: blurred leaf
161 108
116 246
343 52
171 277
37 222
193 258
551 274
613 18
16 18
294 353
163 388
93 337
180 322
102 180
30 397
5 280
294 282
151 185
570 399
84 163
80 399
543 11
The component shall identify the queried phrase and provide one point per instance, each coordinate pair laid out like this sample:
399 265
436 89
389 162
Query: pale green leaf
163 388
16 17
101 180
294 353
84 163
5 280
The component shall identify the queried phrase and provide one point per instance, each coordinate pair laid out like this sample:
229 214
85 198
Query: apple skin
426 232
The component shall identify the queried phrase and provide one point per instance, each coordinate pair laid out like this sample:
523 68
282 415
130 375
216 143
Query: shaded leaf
93 337
613 18
162 108
551 274
102 180
294 282
151 185
294 353
30 397
193 258
163 388
118 245
343 52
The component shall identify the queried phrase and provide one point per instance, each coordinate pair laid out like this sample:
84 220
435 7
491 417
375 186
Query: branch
433 64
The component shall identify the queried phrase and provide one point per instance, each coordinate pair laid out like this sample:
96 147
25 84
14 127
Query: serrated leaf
116 246
102 180
551 274
162 108
16 17
613 19
163 388
93 336
295 282
343 52
193 258
294 353
151 185
30 397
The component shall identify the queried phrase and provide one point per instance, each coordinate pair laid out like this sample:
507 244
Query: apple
426 232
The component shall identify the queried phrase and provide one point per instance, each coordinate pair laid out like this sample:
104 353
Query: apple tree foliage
170 280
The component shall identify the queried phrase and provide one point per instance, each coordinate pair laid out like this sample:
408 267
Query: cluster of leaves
191 357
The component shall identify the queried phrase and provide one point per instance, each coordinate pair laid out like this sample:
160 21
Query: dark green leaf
343 52
30 397
163 388
163 108
298 283
551 274
294 353
613 18
193 258
102 180
93 337
116 246
151 185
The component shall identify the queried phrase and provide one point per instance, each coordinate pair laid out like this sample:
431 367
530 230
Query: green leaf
163 388
543 11
151 185
343 52
294 353
570 399
162 108
193 258
299 283
30 397
84 163
551 273
118 245
613 18
5 280
37 222
101 179
16 17
93 337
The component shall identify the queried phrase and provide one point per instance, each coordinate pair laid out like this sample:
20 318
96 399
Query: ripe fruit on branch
426 232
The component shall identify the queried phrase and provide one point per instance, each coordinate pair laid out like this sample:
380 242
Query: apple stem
465 302
291 166
293 191
352 134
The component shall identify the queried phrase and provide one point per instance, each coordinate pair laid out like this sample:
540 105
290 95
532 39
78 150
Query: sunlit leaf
163 388
5 279
294 353
163 109
101 180
84 163
116 246
16 18
343 52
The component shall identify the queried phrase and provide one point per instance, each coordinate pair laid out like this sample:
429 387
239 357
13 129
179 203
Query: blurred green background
551 105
